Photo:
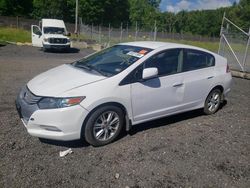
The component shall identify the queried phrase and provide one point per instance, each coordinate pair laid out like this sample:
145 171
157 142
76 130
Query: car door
36 36
162 95
198 73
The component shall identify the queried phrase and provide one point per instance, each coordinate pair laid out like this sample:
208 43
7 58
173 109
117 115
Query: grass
212 46
14 35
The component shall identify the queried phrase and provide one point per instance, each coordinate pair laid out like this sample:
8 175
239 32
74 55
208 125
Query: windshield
113 60
53 30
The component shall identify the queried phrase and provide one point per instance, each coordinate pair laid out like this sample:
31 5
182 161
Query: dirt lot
187 150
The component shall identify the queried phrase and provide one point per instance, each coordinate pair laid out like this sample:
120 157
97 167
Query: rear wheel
104 125
213 101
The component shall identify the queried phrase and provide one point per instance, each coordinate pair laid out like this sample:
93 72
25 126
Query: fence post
100 32
91 34
121 33
127 30
136 31
248 43
17 22
155 31
80 25
109 33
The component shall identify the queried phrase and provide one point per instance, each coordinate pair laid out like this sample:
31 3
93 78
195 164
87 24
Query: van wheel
104 125
212 102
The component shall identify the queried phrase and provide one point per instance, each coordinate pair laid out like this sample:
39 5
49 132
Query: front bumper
56 46
56 124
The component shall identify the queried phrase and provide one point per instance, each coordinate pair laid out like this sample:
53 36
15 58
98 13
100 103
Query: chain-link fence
107 36
24 23
234 45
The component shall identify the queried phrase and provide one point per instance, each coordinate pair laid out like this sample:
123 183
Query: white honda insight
121 86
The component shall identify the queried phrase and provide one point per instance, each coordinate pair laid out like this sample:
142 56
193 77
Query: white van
52 34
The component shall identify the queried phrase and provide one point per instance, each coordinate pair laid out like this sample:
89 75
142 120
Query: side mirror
149 73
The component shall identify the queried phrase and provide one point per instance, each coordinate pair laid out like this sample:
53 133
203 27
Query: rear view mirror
149 73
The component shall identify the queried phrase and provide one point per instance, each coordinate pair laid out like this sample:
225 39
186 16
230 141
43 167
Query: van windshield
113 60
53 30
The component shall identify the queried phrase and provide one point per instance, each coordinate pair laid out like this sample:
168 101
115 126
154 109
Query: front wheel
104 125
213 101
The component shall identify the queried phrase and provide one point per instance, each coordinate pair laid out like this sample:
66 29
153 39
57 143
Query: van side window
167 62
36 30
195 59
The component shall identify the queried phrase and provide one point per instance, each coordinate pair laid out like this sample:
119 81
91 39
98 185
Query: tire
213 102
104 125
44 49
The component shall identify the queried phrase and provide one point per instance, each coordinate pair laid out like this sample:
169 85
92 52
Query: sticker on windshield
143 52
135 54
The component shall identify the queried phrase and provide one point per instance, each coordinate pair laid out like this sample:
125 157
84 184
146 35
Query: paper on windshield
135 54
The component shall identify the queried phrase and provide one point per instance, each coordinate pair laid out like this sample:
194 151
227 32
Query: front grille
27 103
29 97
57 41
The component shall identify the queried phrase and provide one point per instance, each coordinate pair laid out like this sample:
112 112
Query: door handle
178 85
210 77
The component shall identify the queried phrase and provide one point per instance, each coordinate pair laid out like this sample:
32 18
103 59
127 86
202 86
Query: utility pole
76 18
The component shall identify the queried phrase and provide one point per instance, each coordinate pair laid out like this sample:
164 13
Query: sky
178 5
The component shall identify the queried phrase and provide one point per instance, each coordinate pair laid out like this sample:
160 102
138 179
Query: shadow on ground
70 144
70 50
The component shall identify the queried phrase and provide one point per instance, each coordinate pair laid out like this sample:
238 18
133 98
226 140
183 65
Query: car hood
61 79
55 36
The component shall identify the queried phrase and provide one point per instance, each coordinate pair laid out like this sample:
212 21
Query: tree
142 13
154 3
60 9
16 7
104 12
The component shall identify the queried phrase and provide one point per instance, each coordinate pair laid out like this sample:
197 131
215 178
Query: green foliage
144 13
16 7
14 35
103 12
60 9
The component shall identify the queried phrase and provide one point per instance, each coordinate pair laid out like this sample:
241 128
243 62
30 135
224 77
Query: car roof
53 23
154 45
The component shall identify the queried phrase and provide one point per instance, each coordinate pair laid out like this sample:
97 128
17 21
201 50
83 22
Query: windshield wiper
90 68
83 67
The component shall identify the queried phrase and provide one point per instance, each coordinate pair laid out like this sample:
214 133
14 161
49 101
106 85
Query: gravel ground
186 150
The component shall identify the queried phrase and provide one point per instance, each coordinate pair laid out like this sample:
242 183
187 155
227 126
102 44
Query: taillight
228 69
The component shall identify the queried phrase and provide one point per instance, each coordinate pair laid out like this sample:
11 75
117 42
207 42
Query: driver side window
36 30
167 62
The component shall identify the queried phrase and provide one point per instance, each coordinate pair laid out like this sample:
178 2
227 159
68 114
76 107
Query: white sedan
121 86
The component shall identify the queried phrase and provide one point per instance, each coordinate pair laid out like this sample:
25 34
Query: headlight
50 102
46 39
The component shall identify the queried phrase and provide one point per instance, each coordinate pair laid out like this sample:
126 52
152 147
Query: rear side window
195 59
